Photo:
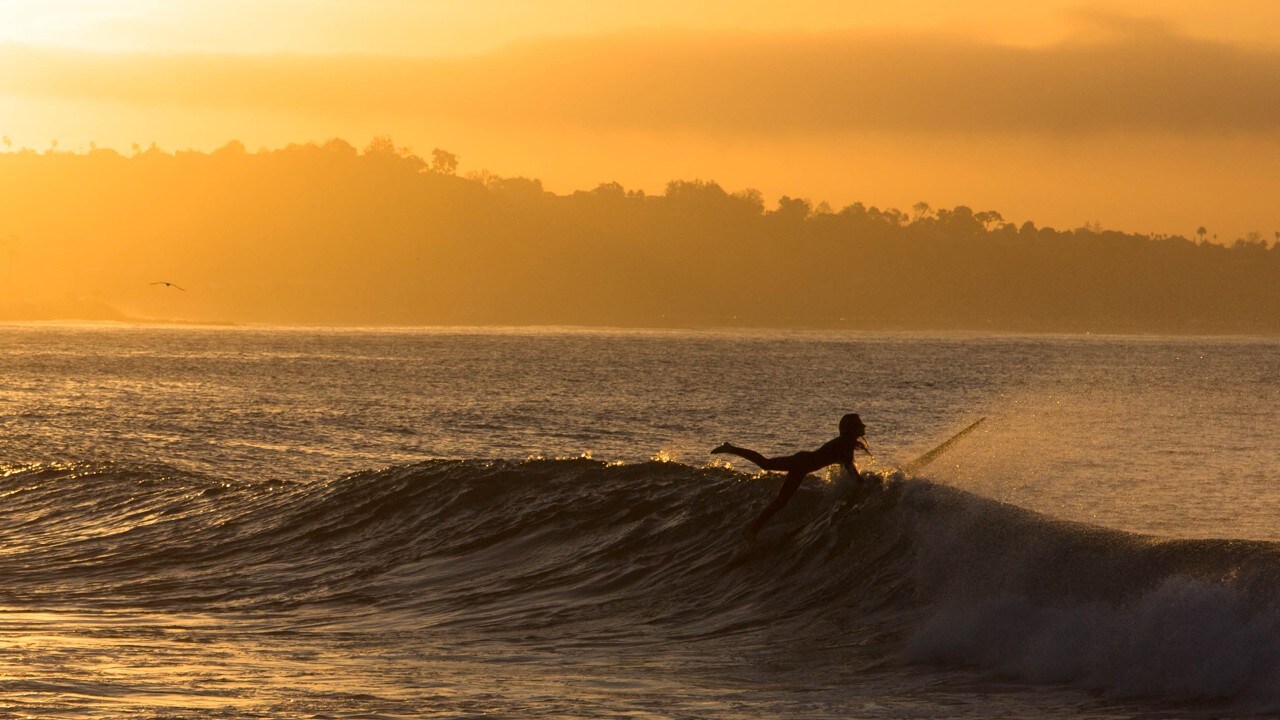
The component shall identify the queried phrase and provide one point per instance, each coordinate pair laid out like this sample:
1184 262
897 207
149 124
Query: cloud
1129 75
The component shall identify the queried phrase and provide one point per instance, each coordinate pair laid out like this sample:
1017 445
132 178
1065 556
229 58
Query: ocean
245 522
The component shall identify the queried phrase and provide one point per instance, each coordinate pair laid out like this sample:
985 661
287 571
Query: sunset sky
1149 116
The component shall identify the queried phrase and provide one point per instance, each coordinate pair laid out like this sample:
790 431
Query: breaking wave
894 570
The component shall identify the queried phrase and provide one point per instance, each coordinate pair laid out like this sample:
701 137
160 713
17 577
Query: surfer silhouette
837 451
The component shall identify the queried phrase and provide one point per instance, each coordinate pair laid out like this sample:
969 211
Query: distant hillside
328 234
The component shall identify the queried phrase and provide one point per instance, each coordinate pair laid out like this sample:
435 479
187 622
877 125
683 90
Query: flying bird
169 284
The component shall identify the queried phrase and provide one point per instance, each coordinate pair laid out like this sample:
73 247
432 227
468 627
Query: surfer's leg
789 487
760 460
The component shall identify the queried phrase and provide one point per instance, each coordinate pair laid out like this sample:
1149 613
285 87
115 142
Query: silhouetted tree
233 149
752 198
380 145
986 217
920 211
792 209
339 147
444 162
610 190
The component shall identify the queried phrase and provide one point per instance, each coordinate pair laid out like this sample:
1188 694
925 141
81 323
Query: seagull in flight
169 284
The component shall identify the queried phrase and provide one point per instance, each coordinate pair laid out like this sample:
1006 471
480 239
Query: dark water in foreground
268 523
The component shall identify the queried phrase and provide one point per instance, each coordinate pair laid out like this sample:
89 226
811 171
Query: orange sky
1145 116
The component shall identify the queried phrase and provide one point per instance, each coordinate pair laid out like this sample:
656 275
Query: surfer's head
851 426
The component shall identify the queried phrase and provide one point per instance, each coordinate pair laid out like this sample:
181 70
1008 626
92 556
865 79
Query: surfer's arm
850 468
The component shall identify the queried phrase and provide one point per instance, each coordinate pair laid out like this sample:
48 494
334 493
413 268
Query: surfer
837 451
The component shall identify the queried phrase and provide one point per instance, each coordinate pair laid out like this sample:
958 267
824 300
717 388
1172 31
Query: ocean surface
524 523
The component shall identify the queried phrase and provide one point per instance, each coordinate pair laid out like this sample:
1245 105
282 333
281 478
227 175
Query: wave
896 570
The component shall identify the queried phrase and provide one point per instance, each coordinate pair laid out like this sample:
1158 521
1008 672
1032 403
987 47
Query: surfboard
862 490
934 454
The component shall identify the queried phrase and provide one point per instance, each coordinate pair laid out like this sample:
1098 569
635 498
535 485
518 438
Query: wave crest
899 569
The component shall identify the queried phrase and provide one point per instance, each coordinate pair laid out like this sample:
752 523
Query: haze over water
245 522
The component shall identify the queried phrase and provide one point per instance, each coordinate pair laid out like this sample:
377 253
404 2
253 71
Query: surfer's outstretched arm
789 487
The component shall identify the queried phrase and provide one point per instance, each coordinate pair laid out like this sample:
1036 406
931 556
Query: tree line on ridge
328 234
